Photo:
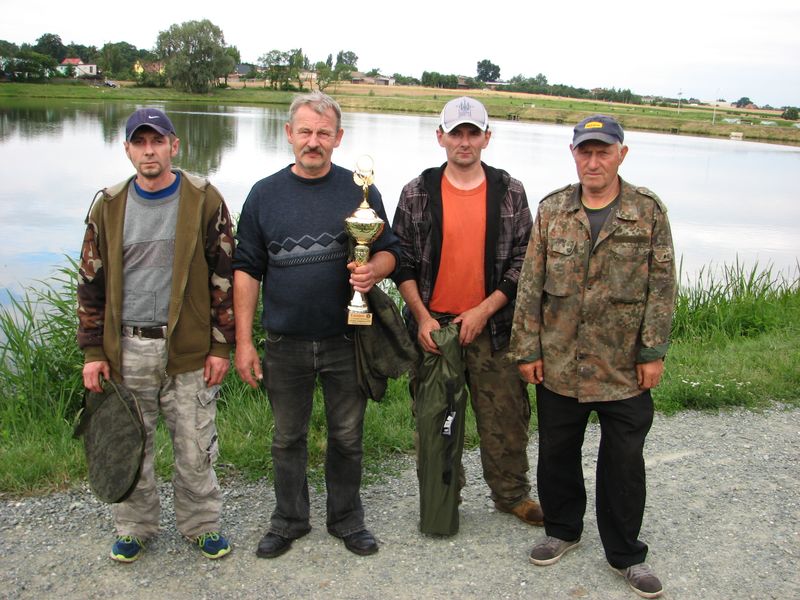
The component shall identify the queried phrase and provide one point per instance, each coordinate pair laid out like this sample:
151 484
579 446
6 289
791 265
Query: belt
151 333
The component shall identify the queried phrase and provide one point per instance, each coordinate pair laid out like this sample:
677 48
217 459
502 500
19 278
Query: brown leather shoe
528 511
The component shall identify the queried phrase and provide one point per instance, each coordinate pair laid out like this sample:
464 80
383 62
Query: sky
684 48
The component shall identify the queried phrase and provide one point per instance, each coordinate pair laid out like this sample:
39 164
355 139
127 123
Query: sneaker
642 580
551 550
213 545
126 549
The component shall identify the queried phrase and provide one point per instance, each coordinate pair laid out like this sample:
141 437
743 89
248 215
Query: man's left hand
649 374
215 370
472 323
362 277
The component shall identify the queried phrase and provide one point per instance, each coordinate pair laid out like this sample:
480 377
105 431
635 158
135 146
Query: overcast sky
695 48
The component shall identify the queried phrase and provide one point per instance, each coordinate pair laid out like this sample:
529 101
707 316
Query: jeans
621 489
291 368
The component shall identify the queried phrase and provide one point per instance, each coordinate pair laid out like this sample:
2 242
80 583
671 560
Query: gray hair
318 102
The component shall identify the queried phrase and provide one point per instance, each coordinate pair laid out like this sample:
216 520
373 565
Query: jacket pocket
562 269
628 272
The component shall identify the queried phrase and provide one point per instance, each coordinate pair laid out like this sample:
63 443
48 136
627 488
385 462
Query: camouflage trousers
499 399
189 409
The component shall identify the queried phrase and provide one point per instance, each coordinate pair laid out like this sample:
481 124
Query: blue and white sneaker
126 549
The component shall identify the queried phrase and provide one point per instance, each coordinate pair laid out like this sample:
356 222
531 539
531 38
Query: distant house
154 67
359 77
79 68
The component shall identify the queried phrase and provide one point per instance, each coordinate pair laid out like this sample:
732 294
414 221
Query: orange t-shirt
459 283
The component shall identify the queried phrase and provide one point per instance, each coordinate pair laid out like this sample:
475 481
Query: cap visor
596 136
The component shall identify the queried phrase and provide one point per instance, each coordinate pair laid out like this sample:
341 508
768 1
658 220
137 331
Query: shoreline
703 121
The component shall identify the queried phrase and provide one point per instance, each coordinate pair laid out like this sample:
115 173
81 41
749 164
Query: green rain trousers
441 401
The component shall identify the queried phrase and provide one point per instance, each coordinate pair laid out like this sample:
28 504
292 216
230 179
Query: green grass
736 342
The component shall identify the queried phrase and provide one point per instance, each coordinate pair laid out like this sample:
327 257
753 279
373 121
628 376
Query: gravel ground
722 522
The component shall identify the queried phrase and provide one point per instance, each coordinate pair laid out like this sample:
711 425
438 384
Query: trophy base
359 318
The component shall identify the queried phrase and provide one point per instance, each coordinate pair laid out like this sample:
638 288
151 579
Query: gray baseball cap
464 110
598 127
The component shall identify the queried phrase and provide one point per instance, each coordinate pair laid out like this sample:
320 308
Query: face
598 164
313 137
463 144
151 153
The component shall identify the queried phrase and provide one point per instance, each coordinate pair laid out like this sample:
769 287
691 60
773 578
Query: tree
30 65
790 113
325 75
8 49
276 64
117 59
50 44
742 102
298 64
373 72
235 56
346 63
487 71
194 55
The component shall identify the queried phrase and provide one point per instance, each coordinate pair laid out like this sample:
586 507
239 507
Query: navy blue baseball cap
598 127
149 117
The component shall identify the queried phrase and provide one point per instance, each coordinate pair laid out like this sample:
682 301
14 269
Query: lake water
727 199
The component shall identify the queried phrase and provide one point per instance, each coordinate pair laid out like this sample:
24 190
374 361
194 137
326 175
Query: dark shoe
361 542
551 550
272 545
528 511
642 580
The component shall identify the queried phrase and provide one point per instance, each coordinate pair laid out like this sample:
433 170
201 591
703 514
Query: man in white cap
464 228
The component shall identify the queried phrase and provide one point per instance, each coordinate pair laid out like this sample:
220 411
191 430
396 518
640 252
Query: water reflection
726 199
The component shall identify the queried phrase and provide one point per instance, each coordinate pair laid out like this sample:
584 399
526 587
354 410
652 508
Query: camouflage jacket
418 222
592 314
200 320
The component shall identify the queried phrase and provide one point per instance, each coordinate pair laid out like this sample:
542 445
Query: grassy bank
736 343
689 120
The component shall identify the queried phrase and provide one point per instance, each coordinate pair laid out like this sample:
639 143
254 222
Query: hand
215 370
248 364
472 323
649 374
92 372
424 335
362 277
532 372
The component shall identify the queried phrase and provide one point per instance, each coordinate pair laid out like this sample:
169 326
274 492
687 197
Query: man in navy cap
591 330
155 309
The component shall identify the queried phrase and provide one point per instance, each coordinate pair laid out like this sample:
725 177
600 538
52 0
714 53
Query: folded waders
114 440
441 400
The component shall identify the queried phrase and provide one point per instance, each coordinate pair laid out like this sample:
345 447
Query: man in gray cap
463 229
591 330
155 310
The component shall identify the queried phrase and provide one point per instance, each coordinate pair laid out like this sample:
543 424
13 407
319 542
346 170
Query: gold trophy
364 226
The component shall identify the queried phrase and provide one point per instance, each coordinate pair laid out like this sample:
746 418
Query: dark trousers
291 368
621 490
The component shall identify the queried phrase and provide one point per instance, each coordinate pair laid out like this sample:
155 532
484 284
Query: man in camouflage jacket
155 310
591 329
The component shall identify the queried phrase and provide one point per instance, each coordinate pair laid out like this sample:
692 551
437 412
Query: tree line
193 56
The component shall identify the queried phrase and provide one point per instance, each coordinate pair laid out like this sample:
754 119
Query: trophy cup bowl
364 226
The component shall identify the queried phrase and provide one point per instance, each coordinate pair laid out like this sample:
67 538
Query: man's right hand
248 364
424 335
92 371
532 372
